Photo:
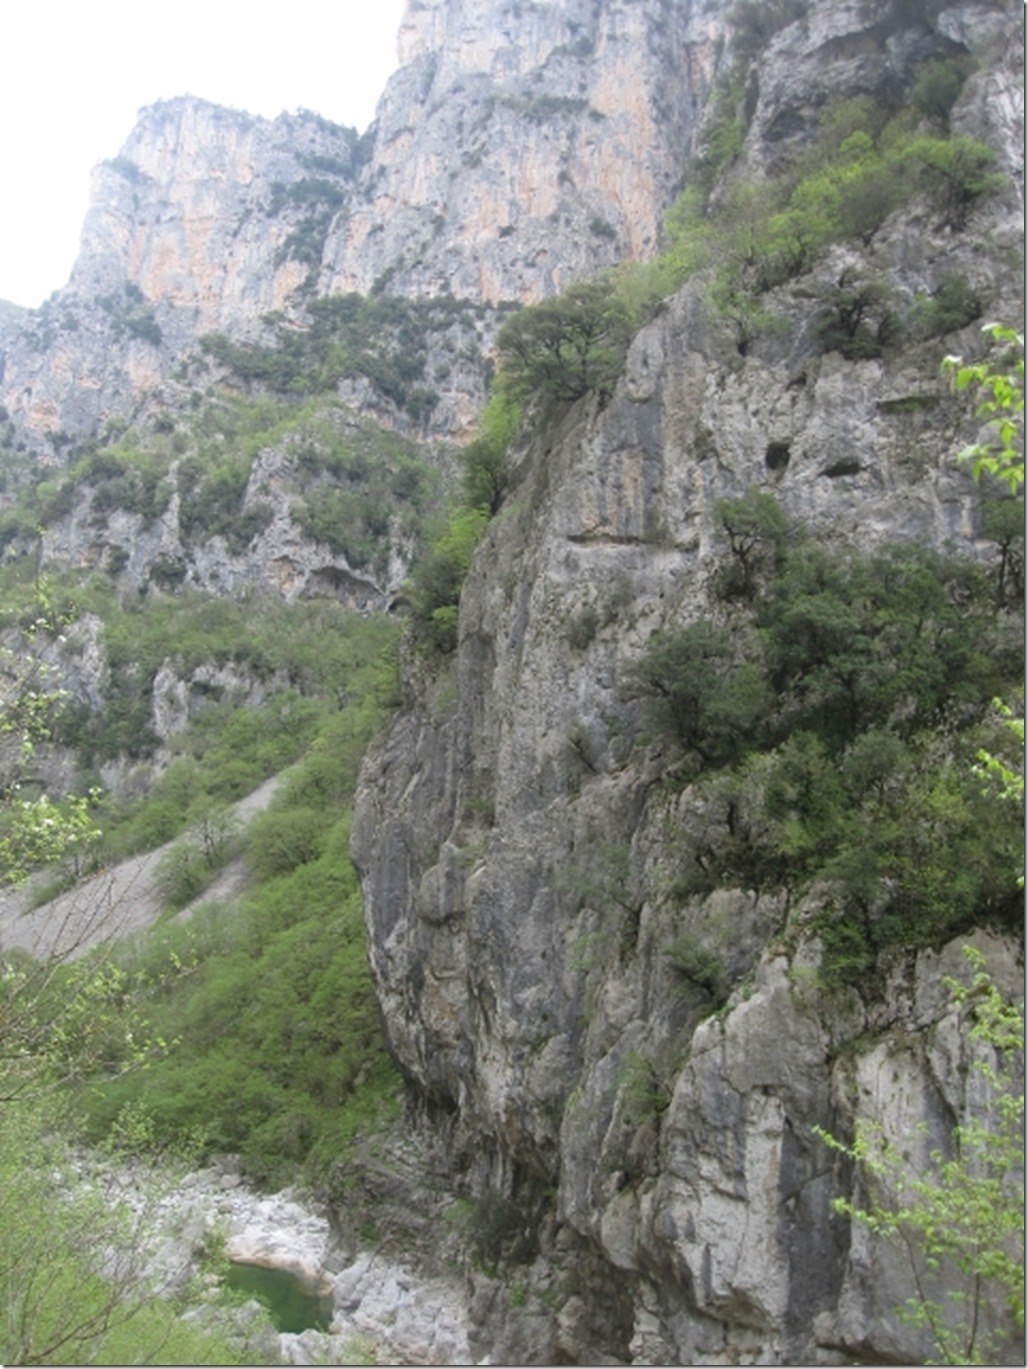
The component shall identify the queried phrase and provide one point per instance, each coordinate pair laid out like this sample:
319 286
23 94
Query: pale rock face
186 235
518 148
280 558
574 120
210 253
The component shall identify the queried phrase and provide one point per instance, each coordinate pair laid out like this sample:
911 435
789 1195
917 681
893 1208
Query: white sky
75 72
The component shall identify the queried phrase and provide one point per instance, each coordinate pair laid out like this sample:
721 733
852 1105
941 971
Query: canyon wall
522 849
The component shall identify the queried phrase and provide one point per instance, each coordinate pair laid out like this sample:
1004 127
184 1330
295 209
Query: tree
757 532
485 459
705 686
956 172
961 1225
999 384
563 348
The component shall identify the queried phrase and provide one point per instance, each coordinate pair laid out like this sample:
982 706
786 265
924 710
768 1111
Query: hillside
606 377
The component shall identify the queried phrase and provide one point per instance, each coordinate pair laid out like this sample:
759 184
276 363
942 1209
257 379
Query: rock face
516 149
520 147
203 222
652 1161
518 856
274 553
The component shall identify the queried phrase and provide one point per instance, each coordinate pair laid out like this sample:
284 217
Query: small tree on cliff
563 348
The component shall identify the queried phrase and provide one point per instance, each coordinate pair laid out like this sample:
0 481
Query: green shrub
566 347
952 305
700 966
706 688
956 172
938 84
500 1231
486 457
836 733
439 577
182 874
860 317
758 534
279 841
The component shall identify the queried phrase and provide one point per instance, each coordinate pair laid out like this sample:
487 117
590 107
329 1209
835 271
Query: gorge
667 830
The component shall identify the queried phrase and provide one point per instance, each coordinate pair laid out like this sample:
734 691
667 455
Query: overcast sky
76 71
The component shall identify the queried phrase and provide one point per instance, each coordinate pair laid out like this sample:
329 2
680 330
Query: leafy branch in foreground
999 384
961 1224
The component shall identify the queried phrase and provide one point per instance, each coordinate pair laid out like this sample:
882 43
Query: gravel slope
114 902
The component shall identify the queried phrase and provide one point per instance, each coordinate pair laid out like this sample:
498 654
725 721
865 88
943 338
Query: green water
289 1305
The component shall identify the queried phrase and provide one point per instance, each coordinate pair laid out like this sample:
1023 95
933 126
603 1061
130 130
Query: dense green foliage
73 1263
863 166
74 1254
353 482
567 347
278 1053
998 383
301 657
356 486
273 1042
439 576
833 713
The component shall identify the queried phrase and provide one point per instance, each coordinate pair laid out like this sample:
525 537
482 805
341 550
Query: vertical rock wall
519 855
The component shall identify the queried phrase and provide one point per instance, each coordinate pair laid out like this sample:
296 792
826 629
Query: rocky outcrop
547 986
519 856
143 552
516 873
519 148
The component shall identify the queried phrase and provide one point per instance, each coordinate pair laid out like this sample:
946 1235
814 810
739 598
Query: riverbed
366 1308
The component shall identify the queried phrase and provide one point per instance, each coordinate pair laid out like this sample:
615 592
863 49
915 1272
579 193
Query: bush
438 579
485 459
758 534
952 305
956 172
706 688
279 841
860 319
700 966
938 84
182 874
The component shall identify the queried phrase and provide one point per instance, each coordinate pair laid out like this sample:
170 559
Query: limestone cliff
518 147
202 223
620 1071
521 859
